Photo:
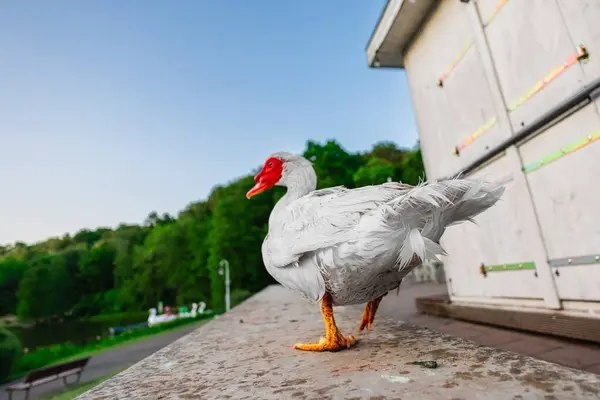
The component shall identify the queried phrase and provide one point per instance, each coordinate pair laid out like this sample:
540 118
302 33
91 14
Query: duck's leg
369 313
333 340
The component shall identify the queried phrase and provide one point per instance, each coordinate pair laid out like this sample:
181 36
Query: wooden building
511 87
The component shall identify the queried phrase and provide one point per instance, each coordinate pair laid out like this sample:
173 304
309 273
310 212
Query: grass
73 391
133 316
50 355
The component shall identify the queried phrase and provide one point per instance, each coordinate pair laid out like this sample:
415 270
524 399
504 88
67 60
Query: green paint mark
563 151
510 267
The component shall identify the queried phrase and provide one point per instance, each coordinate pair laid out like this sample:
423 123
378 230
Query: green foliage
35 292
236 234
334 165
11 271
10 349
374 172
96 269
175 259
413 169
50 287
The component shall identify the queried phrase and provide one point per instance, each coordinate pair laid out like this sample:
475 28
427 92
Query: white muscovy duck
350 246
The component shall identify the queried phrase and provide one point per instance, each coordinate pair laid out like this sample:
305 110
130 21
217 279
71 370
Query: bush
10 350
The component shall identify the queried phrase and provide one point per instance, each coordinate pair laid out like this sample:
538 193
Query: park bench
49 374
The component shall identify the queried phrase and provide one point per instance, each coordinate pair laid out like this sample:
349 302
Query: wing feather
416 215
326 217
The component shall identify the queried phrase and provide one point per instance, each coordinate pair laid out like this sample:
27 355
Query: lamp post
224 266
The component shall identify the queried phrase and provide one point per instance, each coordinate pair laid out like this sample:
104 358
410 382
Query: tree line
175 259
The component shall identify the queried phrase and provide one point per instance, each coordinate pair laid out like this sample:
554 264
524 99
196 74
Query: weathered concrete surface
248 354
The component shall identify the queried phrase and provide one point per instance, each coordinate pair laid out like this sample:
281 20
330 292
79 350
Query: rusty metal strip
573 261
581 55
478 132
563 151
499 6
454 64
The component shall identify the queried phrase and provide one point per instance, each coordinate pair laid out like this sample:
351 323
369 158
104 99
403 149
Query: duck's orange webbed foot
369 313
339 342
334 340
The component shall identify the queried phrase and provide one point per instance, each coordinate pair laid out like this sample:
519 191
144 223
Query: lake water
76 332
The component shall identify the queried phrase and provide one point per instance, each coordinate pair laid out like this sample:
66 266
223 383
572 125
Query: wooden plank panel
469 107
506 233
528 40
490 9
581 17
566 195
565 192
442 40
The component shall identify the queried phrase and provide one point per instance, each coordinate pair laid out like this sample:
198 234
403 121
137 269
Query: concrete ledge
247 354
546 322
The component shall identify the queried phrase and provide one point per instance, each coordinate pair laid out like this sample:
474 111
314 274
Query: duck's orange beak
260 187
265 179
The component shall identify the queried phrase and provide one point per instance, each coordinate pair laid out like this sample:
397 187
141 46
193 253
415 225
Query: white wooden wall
547 214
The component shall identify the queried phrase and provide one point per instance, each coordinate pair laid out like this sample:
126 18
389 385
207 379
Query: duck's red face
267 177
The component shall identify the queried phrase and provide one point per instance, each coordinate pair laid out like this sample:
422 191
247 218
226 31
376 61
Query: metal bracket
595 94
584 55
572 261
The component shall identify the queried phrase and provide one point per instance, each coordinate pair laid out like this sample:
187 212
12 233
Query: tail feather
413 244
428 209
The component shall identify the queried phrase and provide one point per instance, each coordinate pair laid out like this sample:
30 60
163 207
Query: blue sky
111 109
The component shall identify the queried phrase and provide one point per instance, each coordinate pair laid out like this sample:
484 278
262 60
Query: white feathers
413 245
358 243
440 205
